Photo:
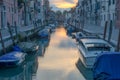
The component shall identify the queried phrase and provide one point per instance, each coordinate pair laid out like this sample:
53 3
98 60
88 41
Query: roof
94 46
88 42
85 41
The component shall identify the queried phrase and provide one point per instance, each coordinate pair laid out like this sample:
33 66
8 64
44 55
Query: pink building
21 14
8 13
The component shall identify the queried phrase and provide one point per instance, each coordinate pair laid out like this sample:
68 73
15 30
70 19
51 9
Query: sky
62 4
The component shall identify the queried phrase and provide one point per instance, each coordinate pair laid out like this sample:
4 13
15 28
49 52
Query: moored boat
28 47
91 48
107 66
11 59
44 33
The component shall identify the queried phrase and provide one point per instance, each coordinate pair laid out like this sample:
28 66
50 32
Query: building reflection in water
28 70
31 66
22 72
43 45
12 73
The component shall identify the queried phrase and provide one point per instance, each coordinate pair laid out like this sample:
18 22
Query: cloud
56 8
70 1
64 3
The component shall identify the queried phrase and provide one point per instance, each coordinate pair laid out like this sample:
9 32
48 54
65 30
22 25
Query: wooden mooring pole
105 30
2 42
110 31
11 33
118 44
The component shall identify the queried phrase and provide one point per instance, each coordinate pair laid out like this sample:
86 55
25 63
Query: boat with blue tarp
13 58
45 33
107 66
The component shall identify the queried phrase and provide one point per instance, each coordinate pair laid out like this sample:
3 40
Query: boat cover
12 56
28 46
44 33
108 63
17 48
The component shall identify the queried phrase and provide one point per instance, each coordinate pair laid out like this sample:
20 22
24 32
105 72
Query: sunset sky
63 4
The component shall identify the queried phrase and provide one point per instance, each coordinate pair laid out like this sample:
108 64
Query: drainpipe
11 33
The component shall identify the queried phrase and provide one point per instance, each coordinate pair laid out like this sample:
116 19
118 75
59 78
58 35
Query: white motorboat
91 48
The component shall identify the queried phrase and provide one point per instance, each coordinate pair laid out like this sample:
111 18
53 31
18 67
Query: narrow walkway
100 30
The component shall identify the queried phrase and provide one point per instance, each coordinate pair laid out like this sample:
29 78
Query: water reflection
87 73
59 60
43 45
31 66
59 39
22 72
12 73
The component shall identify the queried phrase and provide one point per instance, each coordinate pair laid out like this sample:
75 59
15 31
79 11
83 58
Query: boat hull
88 62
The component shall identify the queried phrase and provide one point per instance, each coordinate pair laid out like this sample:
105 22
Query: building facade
8 13
97 11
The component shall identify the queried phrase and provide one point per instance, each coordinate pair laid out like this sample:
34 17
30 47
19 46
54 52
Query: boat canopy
108 63
12 56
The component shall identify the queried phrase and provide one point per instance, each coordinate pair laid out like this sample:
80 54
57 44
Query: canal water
57 62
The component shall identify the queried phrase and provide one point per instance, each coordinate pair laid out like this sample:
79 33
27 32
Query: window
113 1
12 9
104 17
109 2
4 18
109 16
9 9
39 10
113 16
4 8
97 47
14 6
117 15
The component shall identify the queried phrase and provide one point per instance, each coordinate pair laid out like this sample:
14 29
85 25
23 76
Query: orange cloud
64 3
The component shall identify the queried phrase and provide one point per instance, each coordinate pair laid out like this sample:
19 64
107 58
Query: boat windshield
97 47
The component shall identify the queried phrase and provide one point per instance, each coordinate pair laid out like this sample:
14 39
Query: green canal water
57 59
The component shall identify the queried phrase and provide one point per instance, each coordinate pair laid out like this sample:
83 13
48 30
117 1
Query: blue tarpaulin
12 59
108 63
44 33
17 48
12 56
